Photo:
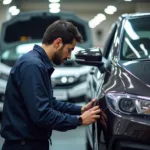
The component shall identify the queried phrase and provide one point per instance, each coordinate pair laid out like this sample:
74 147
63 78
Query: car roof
135 15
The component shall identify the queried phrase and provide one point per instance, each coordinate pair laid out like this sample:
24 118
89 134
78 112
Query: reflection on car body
120 81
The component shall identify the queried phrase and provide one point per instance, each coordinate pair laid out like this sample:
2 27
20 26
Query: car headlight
128 103
64 80
70 79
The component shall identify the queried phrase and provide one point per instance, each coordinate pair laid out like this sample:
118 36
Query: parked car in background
68 79
4 73
20 33
120 80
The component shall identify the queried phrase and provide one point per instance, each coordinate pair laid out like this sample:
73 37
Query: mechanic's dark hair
63 29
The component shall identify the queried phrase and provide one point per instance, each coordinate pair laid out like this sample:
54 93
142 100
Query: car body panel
122 76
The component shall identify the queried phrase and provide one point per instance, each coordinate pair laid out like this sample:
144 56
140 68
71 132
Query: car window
9 56
136 43
114 40
15 52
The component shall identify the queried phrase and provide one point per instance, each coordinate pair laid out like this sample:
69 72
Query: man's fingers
97 116
93 100
95 108
97 111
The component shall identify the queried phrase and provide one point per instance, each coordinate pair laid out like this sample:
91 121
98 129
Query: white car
68 79
4 73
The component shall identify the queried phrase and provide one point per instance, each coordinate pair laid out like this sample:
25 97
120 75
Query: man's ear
58 43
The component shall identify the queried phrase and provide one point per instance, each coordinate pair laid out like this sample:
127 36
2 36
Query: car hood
24 27
136 77
70 71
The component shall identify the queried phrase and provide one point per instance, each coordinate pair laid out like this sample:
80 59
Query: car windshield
10 55
136 40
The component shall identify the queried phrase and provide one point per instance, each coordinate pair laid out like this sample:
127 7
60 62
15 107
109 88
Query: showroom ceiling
86 8
84 1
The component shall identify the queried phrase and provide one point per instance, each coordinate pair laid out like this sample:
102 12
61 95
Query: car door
100 137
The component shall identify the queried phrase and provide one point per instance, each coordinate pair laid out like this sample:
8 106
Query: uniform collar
45 58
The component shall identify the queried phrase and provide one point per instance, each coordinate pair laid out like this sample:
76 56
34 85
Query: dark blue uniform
30 112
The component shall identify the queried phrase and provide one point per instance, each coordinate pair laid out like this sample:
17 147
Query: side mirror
89 57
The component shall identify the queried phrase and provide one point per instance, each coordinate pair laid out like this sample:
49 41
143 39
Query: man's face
63 53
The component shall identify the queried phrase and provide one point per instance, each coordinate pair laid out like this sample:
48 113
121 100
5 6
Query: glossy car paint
125 131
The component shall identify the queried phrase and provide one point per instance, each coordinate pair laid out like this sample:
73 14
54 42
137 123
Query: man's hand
91 115
88 106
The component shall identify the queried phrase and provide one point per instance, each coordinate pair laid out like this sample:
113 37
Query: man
30 112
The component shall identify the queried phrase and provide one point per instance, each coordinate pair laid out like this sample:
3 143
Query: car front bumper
127 132
70 93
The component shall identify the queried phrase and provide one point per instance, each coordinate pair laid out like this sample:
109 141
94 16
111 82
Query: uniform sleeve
66 107
33 84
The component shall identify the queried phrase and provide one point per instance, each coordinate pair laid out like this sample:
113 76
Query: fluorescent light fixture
97 20
53 10
54 6
127 0
92 23
15 12
100 17
12 8
110 10
54 1
6 2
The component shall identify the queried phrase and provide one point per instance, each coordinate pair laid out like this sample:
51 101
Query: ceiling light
110 9
54 6
12 8
92 24
15 12
52 10
127 0
54 1
100 17
6 2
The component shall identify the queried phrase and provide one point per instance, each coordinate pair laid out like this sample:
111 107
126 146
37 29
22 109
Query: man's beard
57 57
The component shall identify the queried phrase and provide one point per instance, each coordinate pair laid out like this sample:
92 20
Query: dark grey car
120 80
